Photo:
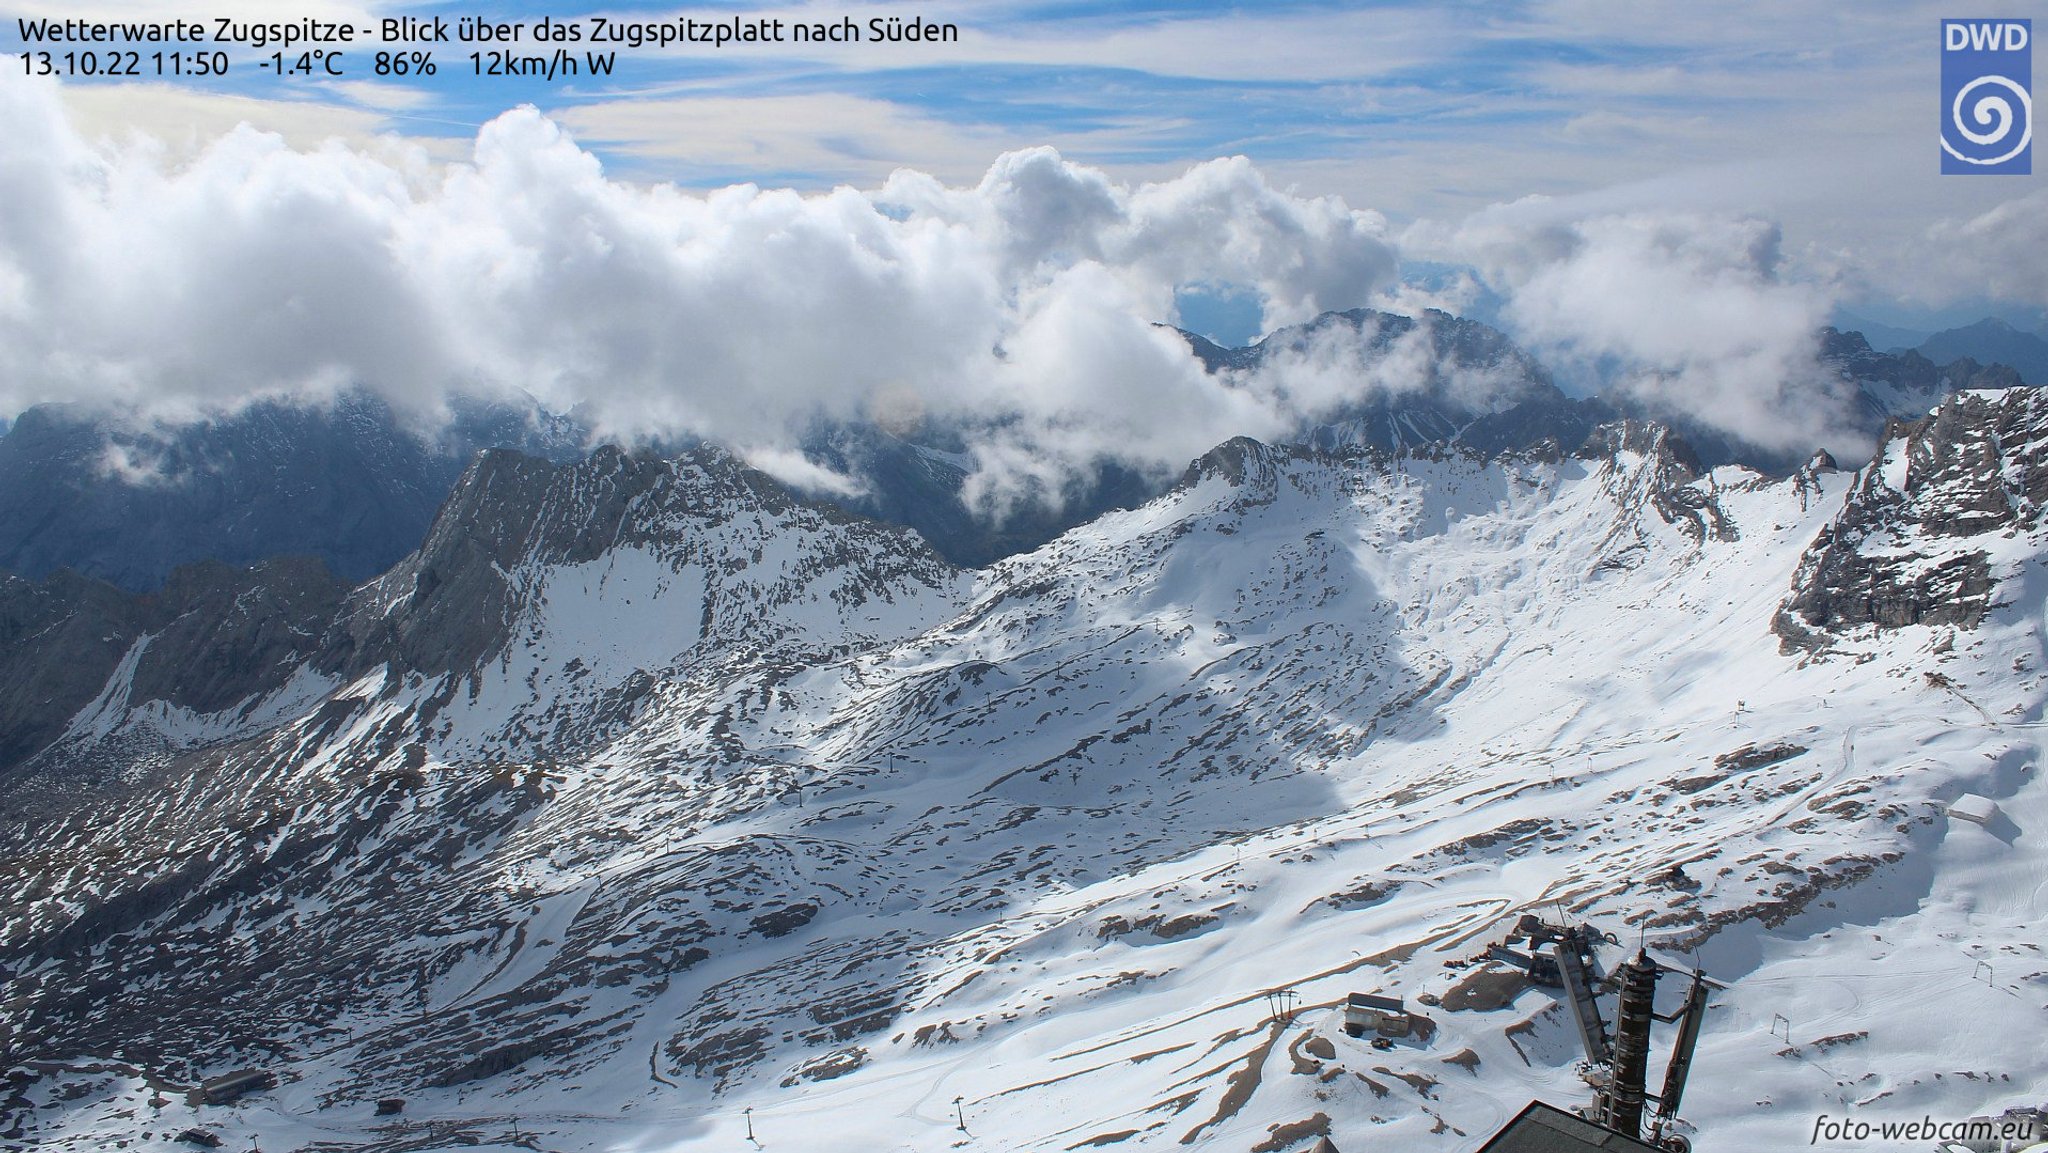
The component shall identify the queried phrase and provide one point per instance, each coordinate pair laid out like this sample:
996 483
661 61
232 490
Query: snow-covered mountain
647 804
1433 379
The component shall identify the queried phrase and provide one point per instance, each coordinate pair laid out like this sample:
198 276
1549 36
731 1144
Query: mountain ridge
1313 718
1993 341
349 483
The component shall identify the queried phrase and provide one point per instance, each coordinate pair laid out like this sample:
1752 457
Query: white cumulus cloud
1690 313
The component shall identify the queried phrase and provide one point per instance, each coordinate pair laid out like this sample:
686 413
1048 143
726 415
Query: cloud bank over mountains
1687 313
1021 310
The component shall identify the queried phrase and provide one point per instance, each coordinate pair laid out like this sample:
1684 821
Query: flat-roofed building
1544 1128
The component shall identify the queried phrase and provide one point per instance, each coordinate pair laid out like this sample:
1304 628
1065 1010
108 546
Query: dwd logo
1987 110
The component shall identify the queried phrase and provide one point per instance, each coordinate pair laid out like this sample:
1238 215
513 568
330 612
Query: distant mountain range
353 485
1991 341
349 483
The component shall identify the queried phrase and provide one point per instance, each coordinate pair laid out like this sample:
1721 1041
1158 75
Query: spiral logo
1987 104
1994 118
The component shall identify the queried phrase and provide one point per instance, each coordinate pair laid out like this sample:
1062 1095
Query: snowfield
1028 848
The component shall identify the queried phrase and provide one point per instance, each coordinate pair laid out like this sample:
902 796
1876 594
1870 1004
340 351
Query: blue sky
1817 115
1157 83
1672 196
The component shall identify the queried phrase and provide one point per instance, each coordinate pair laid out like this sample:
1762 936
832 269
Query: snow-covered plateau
648 807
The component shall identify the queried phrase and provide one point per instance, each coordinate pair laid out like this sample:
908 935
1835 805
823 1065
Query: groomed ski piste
1016 865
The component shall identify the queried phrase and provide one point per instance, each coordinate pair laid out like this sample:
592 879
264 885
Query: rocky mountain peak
1673 457
513 522
1244 462
1910 545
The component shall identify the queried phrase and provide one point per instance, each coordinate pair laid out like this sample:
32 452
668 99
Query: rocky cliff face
1663 479
59 642
1931 527
77 654
1906 385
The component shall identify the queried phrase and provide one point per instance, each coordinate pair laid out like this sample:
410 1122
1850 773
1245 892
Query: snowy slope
1041 846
